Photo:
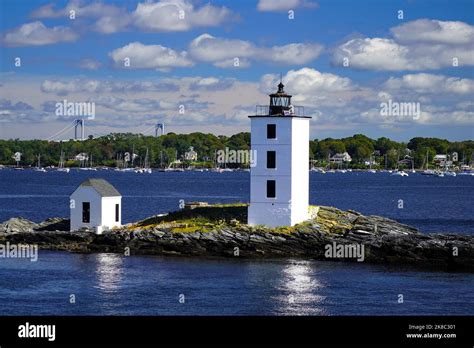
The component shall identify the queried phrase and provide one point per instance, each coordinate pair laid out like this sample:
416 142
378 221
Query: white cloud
37 34
149 57
335 100
112 24
374 54
283 5
233 63
108 86
94 9
208 48
307 81
160 16
434 31
222 52
417 45
211 84
433 84
177 15
292 54
128 105
63 88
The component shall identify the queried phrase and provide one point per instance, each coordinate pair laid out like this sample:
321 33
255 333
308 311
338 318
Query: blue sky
189 61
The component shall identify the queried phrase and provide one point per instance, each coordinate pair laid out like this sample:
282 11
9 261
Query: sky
200 66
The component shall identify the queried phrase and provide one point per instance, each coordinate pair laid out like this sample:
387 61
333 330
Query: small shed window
117 212
86 212
271 131
271 159
271 189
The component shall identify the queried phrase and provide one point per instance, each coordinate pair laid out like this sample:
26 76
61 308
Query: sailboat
61 167
38 166
448 172
146 166
90 165
413 166
427 171
370 166
398 172
162 169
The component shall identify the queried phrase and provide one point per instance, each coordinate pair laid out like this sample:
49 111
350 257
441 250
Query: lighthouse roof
103 187
280 106
280 92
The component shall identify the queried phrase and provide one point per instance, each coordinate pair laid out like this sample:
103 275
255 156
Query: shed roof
103 187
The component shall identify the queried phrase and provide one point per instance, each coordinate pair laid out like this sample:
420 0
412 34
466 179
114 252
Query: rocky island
221 231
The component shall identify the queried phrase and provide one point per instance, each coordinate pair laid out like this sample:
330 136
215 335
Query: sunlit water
106 284
109 284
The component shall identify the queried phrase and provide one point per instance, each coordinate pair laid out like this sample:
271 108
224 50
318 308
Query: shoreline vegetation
220 231
160 152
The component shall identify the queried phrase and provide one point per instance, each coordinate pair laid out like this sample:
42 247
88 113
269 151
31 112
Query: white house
190 155
96 205
81 157
279 181
341 158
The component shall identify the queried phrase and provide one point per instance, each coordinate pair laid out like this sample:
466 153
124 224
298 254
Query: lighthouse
279 179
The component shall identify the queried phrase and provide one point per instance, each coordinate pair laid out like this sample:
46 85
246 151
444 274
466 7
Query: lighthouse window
117 212
271 189
86 212
271 131
271 159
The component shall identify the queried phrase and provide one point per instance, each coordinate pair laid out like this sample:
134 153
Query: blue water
432 204
109 284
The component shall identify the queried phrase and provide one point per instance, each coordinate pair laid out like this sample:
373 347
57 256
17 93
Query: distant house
407 160
442 160
81 157
190 155
341 158
95 205
370 162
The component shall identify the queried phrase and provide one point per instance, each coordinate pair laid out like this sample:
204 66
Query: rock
54 224
16 225
385 241
362 232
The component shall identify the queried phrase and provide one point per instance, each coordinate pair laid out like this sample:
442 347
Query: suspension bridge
76 130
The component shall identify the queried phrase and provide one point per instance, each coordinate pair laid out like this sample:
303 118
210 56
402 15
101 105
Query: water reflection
109 271
300 289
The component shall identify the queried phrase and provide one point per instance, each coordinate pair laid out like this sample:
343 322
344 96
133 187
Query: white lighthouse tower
279 181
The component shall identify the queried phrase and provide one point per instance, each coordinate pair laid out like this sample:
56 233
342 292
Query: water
108 284
432 204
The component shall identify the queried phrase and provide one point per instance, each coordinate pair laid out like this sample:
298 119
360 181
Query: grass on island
217 216
203 219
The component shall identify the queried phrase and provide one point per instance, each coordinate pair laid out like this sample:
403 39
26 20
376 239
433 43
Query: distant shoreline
208 169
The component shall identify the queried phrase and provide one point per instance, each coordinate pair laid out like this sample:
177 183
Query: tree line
170 147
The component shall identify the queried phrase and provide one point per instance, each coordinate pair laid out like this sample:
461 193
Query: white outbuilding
95 205
279 182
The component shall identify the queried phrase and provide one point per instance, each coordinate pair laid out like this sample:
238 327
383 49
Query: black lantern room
280 102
